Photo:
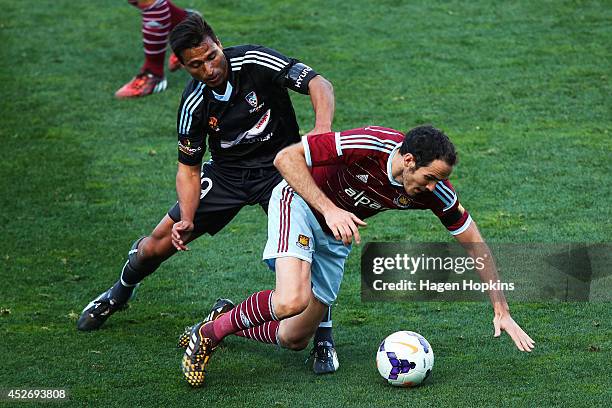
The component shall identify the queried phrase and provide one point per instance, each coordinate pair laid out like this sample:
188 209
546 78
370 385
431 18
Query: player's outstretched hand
181 231
344 225
506 323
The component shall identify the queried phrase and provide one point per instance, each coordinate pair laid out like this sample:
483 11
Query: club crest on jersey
303 241
402 201
251 98
213 123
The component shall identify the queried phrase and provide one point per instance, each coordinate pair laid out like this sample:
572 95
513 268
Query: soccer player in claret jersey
238 104
332 182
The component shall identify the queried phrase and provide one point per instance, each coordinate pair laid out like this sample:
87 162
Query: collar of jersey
228 92
391 179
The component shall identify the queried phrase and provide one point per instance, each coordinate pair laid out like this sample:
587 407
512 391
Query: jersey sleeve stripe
443 193
363 146
249 56
252 61
373 141
448 201
445 188
338 144
389 142
465 226
188 108
451 204
269 56
187 113
191 113
443 199
446 192
307 151
377 129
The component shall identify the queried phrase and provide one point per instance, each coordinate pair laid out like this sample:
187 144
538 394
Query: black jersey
254 118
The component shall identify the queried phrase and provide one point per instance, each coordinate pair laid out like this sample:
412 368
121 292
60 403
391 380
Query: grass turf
522 88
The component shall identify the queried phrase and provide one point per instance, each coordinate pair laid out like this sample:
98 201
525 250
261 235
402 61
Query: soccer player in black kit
238 99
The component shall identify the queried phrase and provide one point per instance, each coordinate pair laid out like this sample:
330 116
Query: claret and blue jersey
353 168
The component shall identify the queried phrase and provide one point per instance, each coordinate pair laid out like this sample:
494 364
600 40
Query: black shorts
225 191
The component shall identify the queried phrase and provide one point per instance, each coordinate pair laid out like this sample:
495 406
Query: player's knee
297 345
154 249
292 342
290 304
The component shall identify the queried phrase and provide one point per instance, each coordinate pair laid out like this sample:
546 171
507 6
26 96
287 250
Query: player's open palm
506 323
181 232
344 225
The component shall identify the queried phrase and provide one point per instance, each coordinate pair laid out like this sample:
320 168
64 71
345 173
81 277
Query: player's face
206 63
424 178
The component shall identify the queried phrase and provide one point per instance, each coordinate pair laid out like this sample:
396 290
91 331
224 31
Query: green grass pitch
523 88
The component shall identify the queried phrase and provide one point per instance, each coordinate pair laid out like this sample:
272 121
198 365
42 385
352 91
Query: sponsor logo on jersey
254 134
402 201
184 146
303 74
251 98
363 177
213 123
263 122
303 241
361 199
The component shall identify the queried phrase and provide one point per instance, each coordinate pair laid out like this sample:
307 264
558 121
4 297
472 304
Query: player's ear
409 161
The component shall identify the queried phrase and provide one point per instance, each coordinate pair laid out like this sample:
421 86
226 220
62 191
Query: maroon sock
156 28
254 311
266 333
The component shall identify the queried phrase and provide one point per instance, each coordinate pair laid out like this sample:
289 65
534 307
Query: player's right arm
477 248
191 147
188 191
292 165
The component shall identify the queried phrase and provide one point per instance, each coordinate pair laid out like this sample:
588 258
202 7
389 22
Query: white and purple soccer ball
405 359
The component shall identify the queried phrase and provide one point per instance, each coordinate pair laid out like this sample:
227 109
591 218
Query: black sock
133 272
324 331
121 293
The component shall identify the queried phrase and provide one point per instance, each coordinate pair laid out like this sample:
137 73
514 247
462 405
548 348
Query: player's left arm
301 78
476 248
323 103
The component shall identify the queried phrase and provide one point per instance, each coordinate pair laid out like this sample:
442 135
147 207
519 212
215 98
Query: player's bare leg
295 332
292 293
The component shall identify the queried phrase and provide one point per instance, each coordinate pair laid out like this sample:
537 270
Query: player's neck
397 166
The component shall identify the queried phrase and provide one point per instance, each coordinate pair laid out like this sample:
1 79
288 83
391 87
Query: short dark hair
190 33
426 144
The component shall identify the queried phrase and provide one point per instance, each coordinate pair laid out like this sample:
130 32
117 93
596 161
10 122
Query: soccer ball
405 359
